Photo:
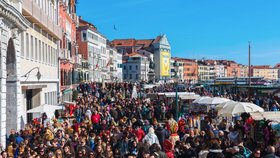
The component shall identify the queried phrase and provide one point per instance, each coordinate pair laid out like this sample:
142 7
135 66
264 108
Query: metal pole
249 90
177 106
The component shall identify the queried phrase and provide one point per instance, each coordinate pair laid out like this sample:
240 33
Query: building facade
180 72
244 69
233 69
39 58
68 55
206 71
158 52
115 64
220 69
265 71
12 27
92 46
135 68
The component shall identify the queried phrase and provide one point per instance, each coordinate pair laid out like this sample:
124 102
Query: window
43 52
36 49
46 52
124 67
130 76
32 48
22 45
39 52
84 36
55 58
27 45
46 98
130 67
136 76
49 56
136 67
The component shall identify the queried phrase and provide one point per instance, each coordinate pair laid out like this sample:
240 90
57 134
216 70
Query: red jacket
95 118
140 134
169 154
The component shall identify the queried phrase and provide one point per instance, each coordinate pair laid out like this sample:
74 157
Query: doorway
29 104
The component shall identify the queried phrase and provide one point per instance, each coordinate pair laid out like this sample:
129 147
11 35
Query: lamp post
38 75
176 67
235 80
249 89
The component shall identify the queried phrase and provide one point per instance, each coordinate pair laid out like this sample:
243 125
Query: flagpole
249 55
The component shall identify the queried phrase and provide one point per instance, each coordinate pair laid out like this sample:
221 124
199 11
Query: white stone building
115 64
220 69
12 25
136 68
39 53
98 56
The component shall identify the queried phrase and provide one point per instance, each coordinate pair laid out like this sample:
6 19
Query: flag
96 66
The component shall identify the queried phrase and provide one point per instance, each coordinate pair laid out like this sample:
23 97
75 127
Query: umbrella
190 97
240 107
45 108
200 99
213 101
222 105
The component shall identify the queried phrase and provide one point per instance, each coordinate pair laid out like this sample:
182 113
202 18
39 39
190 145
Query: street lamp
38 75
176 77
235 80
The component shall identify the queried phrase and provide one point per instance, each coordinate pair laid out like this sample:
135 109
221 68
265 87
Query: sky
210 29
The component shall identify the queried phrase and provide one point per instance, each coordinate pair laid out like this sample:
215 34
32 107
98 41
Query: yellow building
265 71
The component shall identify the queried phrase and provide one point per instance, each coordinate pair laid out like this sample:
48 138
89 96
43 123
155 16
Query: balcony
36 15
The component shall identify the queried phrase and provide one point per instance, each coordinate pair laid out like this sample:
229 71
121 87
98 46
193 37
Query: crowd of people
107 122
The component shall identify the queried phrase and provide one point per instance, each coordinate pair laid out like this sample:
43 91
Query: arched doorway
11 87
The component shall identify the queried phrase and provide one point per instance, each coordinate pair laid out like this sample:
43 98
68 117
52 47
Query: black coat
215 154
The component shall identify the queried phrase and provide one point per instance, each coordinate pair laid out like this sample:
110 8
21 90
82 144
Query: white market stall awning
240 107
268 115
69 102
213 101
222 105
173 94
45 108
190 97
200 99
149 86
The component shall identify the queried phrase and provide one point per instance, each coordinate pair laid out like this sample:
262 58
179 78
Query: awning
67 91
268 115
68 102
33 87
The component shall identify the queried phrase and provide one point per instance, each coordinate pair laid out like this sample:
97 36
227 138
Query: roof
124 42
211 62
277 66
131 42
145 43
261 67
85 23
183 59
157 39
135 54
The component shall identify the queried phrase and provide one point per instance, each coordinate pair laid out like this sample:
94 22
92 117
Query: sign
165 63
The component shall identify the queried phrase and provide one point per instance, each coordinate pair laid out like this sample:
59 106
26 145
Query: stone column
3 49
14 109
